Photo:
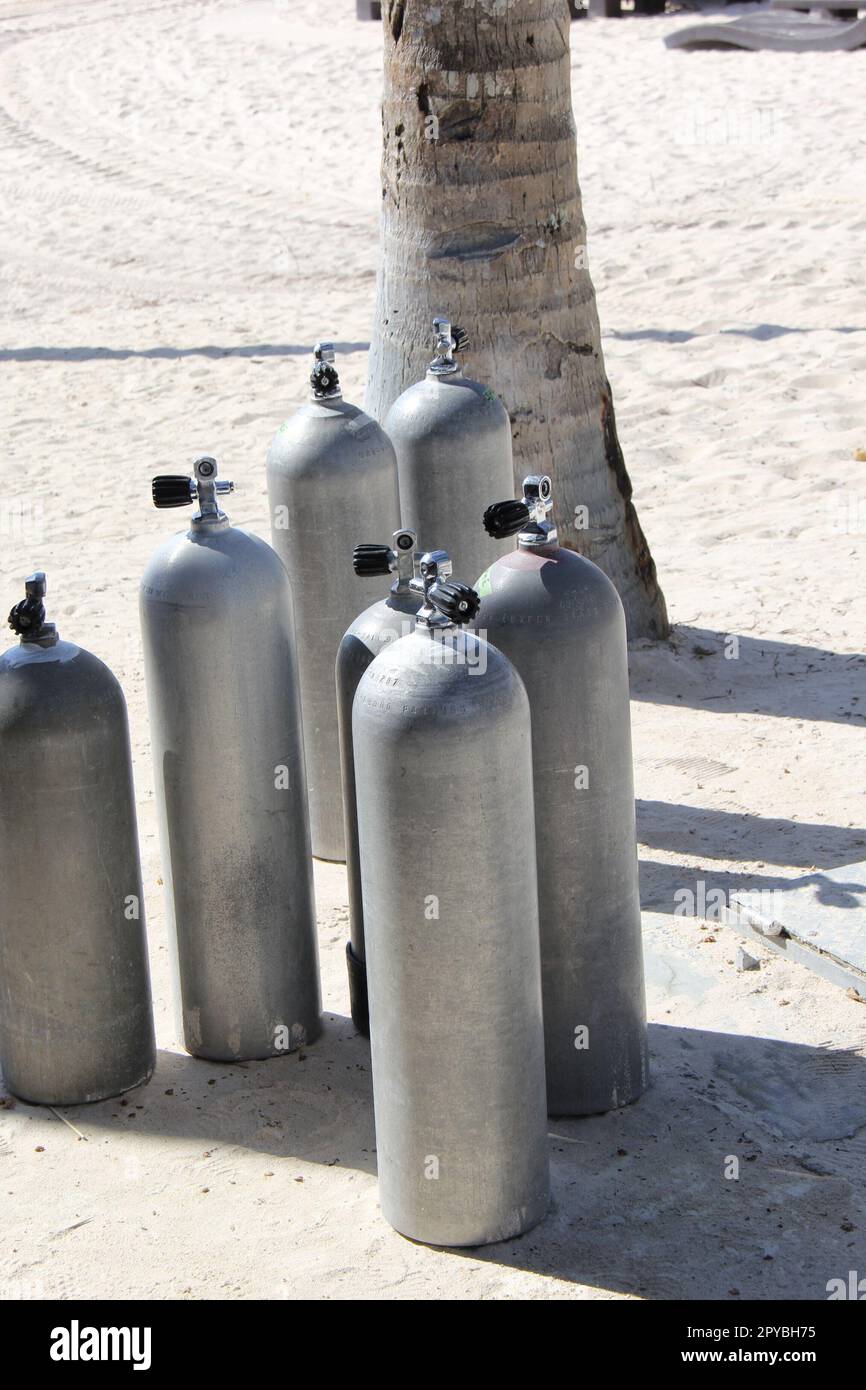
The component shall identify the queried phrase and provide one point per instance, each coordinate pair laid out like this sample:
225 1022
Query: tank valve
446 601
381 559
449 340
178 490
529 518
324 378
28 616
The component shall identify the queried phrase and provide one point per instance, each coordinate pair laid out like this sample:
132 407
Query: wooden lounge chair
612 9
847 8
372 9
841 9
779 32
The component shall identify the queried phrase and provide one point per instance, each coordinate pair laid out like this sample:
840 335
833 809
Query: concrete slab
820 921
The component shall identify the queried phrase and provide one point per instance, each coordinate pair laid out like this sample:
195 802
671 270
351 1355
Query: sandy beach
191 200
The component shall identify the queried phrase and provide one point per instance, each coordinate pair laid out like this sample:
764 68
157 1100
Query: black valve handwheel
324 379
455 601
372 559
171 490
504 519
27 616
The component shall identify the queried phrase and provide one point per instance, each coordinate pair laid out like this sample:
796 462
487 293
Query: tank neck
454 373
532 546
402 586
403 600
208 524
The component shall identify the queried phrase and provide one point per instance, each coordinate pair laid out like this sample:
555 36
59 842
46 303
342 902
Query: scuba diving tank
443 773
332 476
219 655
381 623
452 437
561 622
75 1012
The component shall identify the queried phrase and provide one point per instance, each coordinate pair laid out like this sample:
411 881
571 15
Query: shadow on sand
760 333
315 1104
774 678
704 834
641 1201
105 354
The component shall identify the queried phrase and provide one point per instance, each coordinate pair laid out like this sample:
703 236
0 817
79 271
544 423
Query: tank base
264 1054
562 1109
91 1098
515 1225
358 991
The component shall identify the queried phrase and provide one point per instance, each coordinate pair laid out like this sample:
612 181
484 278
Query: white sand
190 200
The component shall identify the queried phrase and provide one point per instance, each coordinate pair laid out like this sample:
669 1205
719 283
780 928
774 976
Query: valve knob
27 616
172 490
504 519
324 379
372 559
455 601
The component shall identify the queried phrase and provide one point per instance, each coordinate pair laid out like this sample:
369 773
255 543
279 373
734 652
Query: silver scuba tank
332 476
452 437
444 789
219 651
375 628
75 1011
560 621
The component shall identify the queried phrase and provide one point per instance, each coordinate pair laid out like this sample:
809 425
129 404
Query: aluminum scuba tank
219 650
560 620
332 475
375 628
75 1013
444 787
452 437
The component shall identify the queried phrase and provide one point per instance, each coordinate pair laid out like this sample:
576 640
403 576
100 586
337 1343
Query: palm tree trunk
482 221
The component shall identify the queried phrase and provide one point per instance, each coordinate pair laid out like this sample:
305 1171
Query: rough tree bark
482 221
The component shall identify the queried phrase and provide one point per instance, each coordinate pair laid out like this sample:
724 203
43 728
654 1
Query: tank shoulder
47 681
422 674
485 396
200 561
537 589
590 577
369 617
561 568
324 429
446 402
384 622
24 656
